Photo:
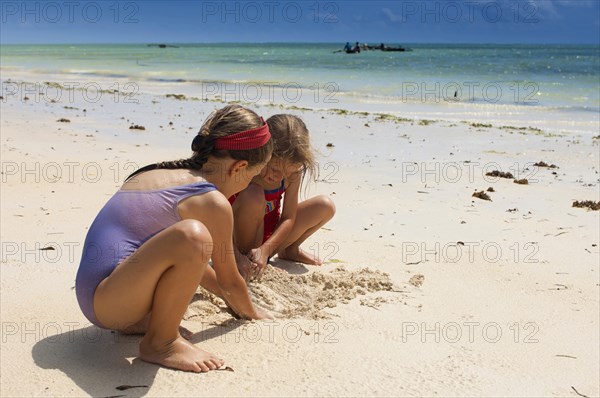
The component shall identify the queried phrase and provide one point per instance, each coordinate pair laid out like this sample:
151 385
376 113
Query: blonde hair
291 141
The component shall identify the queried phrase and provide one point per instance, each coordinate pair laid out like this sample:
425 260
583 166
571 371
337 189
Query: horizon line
298 42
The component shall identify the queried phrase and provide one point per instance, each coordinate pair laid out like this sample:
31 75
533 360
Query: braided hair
221 123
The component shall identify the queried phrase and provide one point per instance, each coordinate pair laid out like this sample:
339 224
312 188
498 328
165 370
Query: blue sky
398 21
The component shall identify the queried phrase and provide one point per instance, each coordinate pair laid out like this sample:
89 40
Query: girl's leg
311 215
248 215
142 327
160 278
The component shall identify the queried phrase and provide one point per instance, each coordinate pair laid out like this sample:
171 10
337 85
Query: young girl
148 249
261 230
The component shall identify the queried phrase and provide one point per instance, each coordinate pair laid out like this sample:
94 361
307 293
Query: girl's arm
214 211
286 222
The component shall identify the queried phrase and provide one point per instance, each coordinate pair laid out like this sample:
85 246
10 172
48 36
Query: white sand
512 312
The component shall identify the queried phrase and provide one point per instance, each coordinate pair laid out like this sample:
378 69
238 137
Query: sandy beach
426 290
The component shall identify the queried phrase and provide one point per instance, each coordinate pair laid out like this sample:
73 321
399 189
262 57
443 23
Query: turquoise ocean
554 76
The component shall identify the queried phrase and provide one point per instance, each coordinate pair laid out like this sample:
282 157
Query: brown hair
221 123
291 141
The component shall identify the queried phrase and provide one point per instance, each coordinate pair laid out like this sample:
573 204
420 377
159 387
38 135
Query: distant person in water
348 47
356 48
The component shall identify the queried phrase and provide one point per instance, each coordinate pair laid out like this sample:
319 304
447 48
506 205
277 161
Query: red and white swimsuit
272 209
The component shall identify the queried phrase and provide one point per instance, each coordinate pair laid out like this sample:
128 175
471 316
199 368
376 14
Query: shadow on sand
290 267
99 360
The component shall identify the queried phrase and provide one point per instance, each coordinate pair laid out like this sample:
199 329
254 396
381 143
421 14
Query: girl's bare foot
142 327
179 354
298 255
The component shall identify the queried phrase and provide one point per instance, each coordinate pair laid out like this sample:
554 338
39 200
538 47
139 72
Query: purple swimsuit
125 222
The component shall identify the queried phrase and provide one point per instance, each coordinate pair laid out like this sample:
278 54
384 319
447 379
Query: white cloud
576 3
553 9
390 14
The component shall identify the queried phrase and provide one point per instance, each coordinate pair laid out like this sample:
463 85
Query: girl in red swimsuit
261 227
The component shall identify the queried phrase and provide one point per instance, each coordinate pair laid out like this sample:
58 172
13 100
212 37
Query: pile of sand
286 295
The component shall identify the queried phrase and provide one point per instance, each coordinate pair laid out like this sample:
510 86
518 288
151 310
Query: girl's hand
259 313
247 268
259 257
262 314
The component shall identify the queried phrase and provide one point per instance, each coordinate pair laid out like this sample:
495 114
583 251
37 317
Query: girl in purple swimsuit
148 249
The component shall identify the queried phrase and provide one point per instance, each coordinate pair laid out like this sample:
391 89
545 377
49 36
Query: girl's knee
326 205
194 235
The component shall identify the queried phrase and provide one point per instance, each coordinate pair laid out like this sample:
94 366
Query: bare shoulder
159 179
293 181
209 205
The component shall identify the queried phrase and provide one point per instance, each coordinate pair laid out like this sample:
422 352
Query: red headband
249 139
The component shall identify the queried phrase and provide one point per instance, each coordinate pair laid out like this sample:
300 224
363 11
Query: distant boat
366 47
395 49
162 45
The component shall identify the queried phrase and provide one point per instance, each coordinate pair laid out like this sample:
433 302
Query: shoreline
472 74
502 116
